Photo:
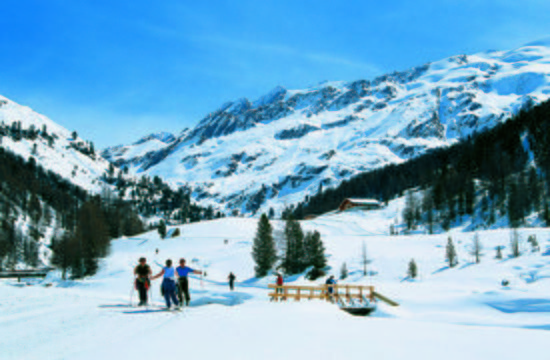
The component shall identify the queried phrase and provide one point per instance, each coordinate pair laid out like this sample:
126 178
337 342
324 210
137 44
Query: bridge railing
323 292
340 293
19 274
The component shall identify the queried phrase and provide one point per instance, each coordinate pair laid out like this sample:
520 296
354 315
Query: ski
153 310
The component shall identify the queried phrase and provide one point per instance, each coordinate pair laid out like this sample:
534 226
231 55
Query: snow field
88 319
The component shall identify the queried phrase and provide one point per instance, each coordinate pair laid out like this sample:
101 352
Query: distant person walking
231 278
168 284
330 281
183 281
142 281
279 282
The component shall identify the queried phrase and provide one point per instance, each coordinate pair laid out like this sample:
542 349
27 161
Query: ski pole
132 292
150 295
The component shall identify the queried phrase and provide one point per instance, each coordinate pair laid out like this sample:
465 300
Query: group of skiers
175 282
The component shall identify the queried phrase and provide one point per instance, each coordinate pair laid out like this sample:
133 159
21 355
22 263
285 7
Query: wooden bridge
334 293
33 273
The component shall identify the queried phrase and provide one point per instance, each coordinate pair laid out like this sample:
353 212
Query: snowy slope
281 147
62 157
459 313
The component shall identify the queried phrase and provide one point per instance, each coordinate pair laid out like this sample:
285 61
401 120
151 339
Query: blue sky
117 70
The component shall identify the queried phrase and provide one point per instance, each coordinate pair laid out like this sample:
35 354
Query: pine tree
31 252
92 235
7 242
428 208
515 243
314 250
476 248
263 249
364 258
162 229
412 271
61 257
409 212
532 239
534 190
470 196
450 253
294 261
499 252
343 271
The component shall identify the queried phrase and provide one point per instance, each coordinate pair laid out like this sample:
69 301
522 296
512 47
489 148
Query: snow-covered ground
459 313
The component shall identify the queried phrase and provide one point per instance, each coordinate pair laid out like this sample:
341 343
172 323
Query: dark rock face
427 129
295 133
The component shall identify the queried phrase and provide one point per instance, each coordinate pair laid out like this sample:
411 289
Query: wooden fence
335 293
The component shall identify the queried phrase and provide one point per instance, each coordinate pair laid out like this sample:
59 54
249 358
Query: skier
142 282
331 281
231 278
168 284
183 282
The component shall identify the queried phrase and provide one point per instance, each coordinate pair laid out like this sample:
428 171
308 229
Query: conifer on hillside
450 253
314 250
412 271
294 261
162 229
264 252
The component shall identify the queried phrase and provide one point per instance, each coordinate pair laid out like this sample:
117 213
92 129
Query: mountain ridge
279 148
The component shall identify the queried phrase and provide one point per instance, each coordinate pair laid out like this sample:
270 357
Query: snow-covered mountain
278 149
27 133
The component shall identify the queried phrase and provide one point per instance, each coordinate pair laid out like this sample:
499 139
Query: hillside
497 178
276 150
28 133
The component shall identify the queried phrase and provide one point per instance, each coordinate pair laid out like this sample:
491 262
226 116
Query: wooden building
363 204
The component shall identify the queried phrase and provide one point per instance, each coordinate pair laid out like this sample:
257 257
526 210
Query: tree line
154 197
504 171
33 200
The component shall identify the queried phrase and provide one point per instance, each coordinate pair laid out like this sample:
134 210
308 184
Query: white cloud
284 50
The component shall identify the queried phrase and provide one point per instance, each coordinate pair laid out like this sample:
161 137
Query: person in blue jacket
168 284
331 281
183 282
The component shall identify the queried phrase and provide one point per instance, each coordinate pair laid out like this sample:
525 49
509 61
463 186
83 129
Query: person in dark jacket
231 278
183 281
142 274
331 281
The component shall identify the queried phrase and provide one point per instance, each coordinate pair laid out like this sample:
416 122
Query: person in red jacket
279 282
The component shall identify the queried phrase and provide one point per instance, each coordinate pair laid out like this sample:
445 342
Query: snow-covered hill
28 133
283 146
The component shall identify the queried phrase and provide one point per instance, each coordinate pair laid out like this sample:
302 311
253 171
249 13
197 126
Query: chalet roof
364 201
